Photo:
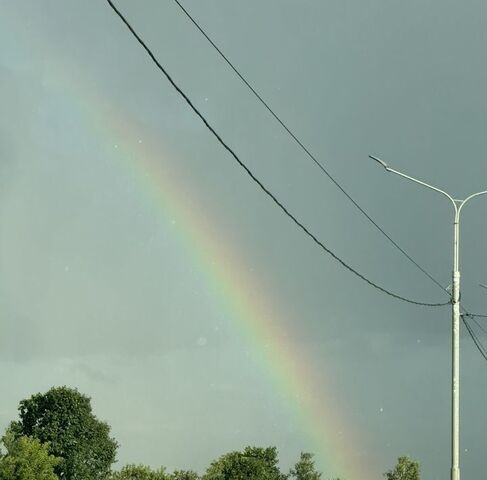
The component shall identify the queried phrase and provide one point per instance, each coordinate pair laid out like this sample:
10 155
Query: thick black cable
256 180
304 148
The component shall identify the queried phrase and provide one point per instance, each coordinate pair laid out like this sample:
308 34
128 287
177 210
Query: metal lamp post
455 300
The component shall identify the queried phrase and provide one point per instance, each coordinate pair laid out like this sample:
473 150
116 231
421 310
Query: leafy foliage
305 468
26 459
184 475
63 418
405 469
140 472
254 463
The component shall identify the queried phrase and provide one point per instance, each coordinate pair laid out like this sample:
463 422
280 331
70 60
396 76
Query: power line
304 148
282 207
473 336
322 167
325 171
476 340
473 316
478 324
476 315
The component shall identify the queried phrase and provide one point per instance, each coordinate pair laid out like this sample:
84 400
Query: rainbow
255 316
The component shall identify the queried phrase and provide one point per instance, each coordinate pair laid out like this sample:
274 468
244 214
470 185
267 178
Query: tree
26 459
63 418
253 463
305 468
184 475
405 469
140 472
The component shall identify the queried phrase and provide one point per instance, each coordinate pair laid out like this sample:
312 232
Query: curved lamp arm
424 184
470 197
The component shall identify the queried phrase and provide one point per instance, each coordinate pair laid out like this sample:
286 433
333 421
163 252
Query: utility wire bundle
284 209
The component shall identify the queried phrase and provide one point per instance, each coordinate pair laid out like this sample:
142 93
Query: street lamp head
378 160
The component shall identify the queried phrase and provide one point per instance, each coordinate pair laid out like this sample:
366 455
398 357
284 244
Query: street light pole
455 301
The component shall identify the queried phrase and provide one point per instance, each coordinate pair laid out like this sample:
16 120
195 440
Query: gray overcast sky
106 282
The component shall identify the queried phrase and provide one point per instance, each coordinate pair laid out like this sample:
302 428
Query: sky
141 265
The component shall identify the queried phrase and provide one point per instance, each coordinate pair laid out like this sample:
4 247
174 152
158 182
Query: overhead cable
303 147
476 340
281 206
476 315
473 336
478 324
472 317
317 162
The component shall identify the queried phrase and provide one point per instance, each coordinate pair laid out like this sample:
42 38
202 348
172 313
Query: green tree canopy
305 468
254 463
140 472
63 418
184 475
26 459
405 469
